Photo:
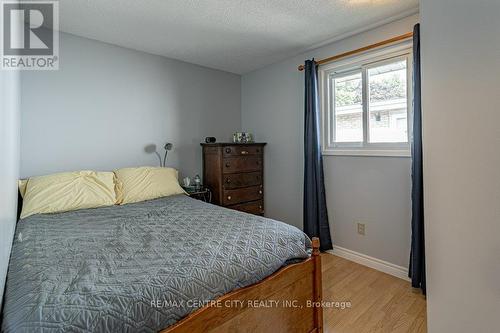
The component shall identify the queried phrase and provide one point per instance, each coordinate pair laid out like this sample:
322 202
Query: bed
172 264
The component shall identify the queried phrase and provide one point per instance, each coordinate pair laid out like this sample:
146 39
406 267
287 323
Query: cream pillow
22 186
62 192
146 183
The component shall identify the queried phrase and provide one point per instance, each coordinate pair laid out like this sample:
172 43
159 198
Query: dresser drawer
241 164
237 180
232 197
241 150
254 207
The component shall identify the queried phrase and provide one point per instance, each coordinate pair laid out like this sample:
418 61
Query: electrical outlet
361 228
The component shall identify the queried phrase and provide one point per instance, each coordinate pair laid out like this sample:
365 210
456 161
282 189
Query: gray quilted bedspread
137 267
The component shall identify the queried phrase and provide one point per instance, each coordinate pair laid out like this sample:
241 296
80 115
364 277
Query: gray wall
106 103
374 190
461 137
9 165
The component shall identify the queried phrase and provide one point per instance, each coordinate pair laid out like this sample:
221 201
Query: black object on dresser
234 172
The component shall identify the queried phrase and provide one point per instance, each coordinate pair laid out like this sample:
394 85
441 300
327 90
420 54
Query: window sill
368 152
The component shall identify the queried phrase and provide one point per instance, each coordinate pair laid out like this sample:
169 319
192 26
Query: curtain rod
362 49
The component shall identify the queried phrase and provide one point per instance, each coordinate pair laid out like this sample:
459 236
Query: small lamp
151 148
168 146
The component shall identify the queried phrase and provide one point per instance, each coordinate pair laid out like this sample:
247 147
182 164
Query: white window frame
361 64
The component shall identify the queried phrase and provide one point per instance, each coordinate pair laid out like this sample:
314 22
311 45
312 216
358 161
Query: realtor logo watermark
30 35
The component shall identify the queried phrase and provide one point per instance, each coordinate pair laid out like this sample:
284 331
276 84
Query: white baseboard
363 259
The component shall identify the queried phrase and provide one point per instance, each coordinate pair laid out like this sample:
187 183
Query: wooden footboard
287 301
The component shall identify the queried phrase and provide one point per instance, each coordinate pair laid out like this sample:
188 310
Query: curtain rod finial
300 68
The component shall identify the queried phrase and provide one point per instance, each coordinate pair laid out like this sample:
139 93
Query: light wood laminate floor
379 302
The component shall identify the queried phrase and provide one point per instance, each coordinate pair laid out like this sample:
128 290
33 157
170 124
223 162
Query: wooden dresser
235 175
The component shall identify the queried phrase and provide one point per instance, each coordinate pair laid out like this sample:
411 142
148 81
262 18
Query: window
366 103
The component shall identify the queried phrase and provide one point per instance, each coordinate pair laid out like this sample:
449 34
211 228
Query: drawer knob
260 207
228 197
260 191
228 150
228 164
258 162
257 150
228 180
244 152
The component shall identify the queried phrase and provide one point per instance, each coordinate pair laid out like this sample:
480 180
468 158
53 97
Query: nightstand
200 193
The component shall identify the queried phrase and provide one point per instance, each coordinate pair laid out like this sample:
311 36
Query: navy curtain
417 256
315 212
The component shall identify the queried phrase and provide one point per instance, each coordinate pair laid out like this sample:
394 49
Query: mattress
137 267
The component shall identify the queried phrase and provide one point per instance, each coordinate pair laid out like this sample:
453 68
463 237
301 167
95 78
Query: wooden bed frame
287 301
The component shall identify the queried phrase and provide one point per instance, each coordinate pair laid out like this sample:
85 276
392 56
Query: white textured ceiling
232 35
